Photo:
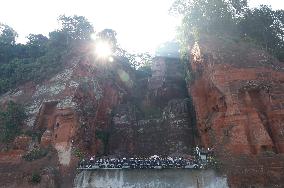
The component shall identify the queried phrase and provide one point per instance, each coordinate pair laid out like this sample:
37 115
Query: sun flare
103 49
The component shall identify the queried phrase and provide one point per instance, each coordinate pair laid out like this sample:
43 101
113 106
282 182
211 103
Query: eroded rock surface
158 120
66 111
107 108
239 107
104 108
238 95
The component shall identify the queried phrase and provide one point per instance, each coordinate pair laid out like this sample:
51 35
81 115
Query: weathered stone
22 142
159 122
235 104
167 81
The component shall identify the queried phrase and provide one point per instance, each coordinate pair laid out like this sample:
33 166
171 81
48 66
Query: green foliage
266 28
37 45
239 6
79 154
35 178
36 153
35 135
57 41
76 27
203 16
11 120
7 43
214 162
139 60
190 76
231 19
41 57
7 35
19 71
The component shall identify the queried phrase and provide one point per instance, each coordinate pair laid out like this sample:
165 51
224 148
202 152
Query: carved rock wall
157 120
239 105
66 112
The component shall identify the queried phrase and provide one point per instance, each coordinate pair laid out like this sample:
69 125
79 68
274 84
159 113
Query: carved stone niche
57 125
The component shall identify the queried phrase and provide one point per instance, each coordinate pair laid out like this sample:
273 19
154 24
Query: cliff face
238 99
65 112
96 107
238 95
158 118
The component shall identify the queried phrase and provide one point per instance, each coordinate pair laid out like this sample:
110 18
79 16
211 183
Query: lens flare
93 36
110 59
103 49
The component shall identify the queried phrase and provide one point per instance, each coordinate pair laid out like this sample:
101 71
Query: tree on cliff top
37 45
41 57
266 28
233 19
214 17
7 42
76 27
136 60
108 35
7 35
209 16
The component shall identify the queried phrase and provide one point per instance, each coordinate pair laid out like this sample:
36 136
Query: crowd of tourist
154 162
199 160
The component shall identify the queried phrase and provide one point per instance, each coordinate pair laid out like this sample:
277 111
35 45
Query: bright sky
141 24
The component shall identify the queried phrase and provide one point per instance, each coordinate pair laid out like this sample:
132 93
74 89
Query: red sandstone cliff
237 91
238 95
65 112
238 100
97 107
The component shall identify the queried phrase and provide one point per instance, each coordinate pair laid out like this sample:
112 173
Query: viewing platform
201 159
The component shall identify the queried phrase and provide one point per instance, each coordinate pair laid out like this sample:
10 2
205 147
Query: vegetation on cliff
35 178
36 153
40 57
11 121
231 19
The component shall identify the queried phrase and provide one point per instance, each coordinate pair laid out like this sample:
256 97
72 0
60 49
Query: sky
142 25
